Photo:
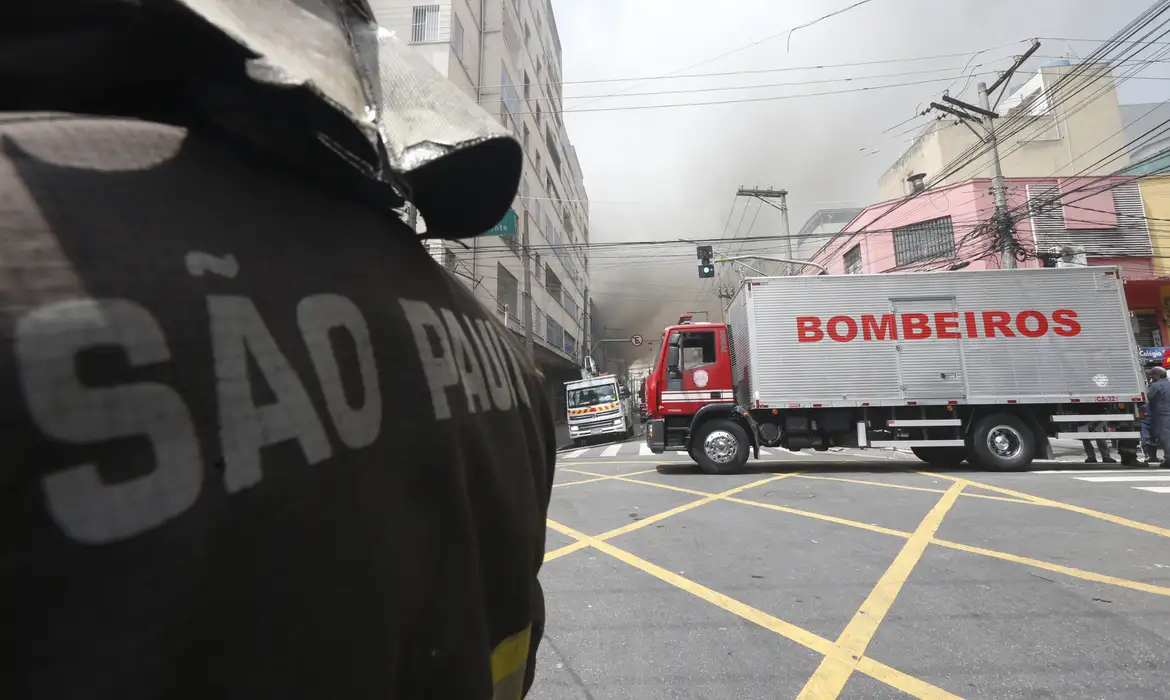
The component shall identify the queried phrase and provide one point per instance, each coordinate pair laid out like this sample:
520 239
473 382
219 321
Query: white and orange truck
977 366
598 407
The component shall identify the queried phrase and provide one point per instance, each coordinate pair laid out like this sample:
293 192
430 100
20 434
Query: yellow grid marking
596 477
890 676
1037 500
1057 568
568 549
914 488
1005 556
834 671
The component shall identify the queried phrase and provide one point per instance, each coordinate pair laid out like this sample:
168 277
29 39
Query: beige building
507 55
1067 129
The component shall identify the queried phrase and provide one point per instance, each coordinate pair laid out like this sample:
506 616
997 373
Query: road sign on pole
636 340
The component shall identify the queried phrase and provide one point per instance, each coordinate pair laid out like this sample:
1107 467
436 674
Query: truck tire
941 456
721 447
1002 442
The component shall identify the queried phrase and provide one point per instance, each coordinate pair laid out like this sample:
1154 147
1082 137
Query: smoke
669 174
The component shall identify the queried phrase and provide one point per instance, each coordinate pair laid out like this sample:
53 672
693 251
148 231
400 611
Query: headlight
618 421
573 428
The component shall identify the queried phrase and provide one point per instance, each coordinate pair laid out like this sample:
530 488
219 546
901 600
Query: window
524 143
555 334
538 159
552 284
527 34
456 36
853 260
538 121
527 86
551 143
507 292
552 188
1145 329
698 349
508 92
926 240
449 259
424 24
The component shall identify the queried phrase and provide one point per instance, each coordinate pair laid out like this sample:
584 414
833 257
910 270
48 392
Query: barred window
853 260
926 240
424 24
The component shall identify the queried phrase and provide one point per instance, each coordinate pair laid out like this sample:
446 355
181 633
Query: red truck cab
691 387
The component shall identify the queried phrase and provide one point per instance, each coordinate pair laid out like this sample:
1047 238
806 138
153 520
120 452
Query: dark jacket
257 443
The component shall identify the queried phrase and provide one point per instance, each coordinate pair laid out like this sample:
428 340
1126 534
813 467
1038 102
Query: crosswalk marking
1095 471
641 449
1120 479
1132 478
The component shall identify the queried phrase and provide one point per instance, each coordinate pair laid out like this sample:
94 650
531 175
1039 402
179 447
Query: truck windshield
589 396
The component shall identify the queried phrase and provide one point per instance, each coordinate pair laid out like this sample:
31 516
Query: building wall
1156 195
519 48
970 205
1081 134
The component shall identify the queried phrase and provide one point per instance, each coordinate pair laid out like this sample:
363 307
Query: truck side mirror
624 394
672 357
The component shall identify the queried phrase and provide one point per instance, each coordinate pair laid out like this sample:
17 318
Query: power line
742 48
750 99
725 88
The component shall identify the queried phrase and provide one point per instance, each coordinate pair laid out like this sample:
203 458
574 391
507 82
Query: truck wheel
721 447
940 456
578 442
1002 442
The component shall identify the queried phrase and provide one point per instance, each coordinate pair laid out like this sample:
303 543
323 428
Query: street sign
636 340
506 227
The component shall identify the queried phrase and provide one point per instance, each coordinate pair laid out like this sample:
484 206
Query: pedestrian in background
1158 410
1102 446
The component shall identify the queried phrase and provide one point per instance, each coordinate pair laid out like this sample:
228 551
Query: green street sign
506 227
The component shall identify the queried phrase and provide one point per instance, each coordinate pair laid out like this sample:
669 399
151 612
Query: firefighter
1158 409
256 442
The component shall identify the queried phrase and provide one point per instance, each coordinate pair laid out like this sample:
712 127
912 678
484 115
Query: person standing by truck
1158 409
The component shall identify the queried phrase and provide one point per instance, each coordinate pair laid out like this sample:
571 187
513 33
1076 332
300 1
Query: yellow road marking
568 549
596 477
892 677
914 488
1108 517
1057 568
833 672
1005 556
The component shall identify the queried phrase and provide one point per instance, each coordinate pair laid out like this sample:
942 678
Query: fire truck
977 366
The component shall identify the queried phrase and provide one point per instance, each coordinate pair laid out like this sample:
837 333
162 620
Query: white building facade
506 55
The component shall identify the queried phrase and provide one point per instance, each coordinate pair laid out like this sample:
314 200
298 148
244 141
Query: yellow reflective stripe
510 655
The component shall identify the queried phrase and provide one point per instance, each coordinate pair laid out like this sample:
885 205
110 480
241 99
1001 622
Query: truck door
932 367
698 359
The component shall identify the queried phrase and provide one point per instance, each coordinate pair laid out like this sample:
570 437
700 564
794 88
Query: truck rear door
934 369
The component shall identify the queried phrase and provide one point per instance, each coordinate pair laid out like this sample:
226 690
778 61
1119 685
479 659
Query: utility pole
526 255
998 188
765 195
986 117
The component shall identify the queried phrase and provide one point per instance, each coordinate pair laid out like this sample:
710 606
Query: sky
672 173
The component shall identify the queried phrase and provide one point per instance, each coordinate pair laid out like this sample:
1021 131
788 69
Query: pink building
949 226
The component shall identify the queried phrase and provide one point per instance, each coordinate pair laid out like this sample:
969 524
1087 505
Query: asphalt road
854 574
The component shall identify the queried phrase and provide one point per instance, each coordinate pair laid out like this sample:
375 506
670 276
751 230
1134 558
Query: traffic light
706 267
